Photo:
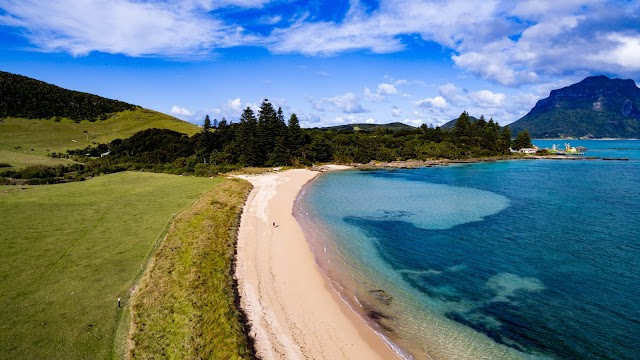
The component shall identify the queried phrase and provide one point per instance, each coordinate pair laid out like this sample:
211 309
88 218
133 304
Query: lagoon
513 259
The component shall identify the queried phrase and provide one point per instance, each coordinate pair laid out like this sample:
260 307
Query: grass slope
68 251
26 142
185 307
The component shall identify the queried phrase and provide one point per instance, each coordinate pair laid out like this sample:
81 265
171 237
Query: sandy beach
293 311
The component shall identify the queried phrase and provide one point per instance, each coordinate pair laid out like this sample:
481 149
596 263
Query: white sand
293 311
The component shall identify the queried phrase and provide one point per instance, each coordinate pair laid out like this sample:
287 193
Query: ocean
520 259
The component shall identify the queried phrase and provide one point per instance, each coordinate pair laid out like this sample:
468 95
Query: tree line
267 139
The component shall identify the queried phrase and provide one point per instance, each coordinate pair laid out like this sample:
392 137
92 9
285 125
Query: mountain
23 97
596 107
396 126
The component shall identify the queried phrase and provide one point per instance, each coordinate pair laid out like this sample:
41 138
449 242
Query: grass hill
29 98
26 142
37 119
596 107
396 126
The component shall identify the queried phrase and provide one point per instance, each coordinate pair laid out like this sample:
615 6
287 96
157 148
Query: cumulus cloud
624 52
487 99
234 104
309 120
371 96
347 103
396 111
387 89
381 93
436 102
231 110
181 112
452 100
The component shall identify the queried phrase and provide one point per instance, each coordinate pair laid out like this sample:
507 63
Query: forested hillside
364 127
452 123
23 97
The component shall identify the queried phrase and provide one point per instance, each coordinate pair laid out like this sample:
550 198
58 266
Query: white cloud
413 122
231 110
271 20
234 104
133 28
326 38
371 96
381 93
309 120
347 103
511 43
387 89
318 105
625 52
487 99
501 107
453 94
396 111
181 112
437 102
350 119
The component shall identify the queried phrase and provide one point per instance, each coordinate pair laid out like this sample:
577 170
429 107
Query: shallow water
514 259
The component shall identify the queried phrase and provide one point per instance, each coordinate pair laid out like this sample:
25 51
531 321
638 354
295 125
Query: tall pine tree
505 140
247 139
295 136
279 154
267 127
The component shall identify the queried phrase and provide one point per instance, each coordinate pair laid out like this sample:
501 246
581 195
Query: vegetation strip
187 303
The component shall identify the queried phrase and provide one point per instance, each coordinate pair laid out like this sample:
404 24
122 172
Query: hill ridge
25 97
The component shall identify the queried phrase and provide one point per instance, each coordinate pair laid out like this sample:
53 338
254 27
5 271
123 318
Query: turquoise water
514 259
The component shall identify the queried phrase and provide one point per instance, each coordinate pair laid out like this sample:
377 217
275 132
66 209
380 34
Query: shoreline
308 319
415 164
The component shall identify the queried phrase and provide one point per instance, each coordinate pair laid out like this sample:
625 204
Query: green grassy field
68 251
185 307
25 142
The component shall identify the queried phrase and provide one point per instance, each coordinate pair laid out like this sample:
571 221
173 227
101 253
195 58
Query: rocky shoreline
414 164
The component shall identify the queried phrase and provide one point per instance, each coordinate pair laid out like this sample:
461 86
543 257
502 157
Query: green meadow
69 251
25 142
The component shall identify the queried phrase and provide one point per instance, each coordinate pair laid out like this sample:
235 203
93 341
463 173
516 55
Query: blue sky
330 62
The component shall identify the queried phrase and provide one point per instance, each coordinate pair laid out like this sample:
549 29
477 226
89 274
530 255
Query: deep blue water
540 256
